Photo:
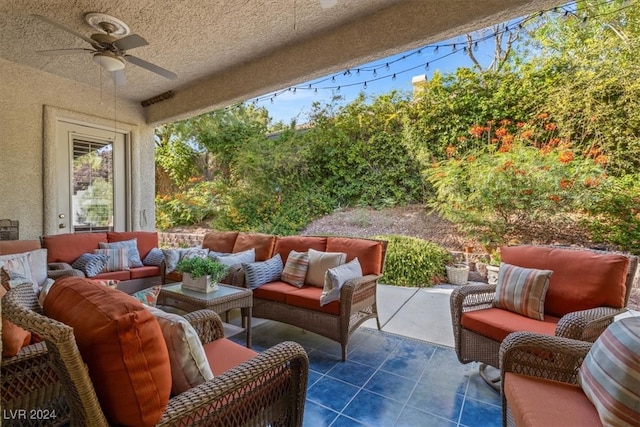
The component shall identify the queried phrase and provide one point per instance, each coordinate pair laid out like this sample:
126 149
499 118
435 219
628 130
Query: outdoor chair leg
491 377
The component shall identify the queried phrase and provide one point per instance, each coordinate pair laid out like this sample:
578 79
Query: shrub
413 262
198 267
523 186
191 206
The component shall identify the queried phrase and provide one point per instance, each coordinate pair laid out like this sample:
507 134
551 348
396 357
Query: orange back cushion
580 279
284 245
146 240
220 241
122 345
262 243
369 252
13 336
68 247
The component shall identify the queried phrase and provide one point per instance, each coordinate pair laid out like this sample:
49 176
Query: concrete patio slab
425 315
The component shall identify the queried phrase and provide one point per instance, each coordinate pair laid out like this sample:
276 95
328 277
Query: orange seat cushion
69 247
274 291
309 297
146 271
113 275
122 344
368 252
286 244
539 402
223 354
145 240
496 323
580 279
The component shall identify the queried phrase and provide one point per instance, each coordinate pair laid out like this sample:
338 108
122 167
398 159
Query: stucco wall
24 93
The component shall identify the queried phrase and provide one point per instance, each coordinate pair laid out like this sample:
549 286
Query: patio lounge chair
585 291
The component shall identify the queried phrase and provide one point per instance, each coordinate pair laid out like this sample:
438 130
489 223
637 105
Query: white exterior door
92 184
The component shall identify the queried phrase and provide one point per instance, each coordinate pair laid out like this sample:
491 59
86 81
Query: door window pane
92 185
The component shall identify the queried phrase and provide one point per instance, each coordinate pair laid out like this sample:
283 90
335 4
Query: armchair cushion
496 323
122 345
224 354
522 290
189 366
610 372
602 277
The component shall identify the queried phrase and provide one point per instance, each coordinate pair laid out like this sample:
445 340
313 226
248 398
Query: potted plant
201 274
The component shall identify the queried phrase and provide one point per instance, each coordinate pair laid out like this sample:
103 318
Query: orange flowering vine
451 150
566 157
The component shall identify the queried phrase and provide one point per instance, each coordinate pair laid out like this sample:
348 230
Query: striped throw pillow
118 258
295 269
610 374
258 273
522 290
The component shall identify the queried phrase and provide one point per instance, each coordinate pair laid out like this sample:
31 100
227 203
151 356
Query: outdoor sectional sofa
300 306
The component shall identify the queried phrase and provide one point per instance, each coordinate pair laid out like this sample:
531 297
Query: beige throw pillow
319 263
189 365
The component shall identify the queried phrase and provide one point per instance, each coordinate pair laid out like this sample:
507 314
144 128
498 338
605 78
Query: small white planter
201 284
492 274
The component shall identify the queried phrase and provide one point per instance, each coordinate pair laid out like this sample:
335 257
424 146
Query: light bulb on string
453 47
387 66
475 46
315 91
338 89
333 79
272 100
357 71
364 86
436 49
426 66
375 73
394 77
294 90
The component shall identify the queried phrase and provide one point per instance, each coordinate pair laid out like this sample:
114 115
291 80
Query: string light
472 44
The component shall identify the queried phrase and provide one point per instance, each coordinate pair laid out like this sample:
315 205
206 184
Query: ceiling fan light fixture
108 61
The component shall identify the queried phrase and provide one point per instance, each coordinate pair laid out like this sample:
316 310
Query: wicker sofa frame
541 356
357 305
585 325
269 389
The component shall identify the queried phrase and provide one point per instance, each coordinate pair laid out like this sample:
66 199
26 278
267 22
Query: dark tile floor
388 380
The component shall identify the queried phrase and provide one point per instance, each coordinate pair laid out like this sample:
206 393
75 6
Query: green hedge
413 262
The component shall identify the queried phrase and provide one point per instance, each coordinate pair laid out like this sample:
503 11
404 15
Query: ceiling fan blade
55 52
130 42
119 79
63 28
151 67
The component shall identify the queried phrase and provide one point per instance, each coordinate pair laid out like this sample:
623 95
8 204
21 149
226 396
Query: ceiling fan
109 51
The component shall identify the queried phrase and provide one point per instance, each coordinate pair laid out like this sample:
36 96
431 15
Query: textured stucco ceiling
226 51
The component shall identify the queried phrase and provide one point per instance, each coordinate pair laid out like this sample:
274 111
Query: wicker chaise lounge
268 389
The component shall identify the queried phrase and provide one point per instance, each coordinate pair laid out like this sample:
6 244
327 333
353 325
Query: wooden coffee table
220 301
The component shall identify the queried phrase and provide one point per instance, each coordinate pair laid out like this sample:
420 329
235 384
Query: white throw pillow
16 268
189 365
338 276
244 257
319 263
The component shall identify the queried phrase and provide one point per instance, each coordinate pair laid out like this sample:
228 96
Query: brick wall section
179 240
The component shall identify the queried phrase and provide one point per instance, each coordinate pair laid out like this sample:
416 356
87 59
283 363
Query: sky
287 104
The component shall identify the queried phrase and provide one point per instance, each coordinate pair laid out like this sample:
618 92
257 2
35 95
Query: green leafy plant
198 267
413 262
494 258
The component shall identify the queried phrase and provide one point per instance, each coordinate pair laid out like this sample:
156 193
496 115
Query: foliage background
543 147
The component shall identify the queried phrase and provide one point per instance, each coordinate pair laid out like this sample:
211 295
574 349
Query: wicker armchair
269 389
585 325
540 356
